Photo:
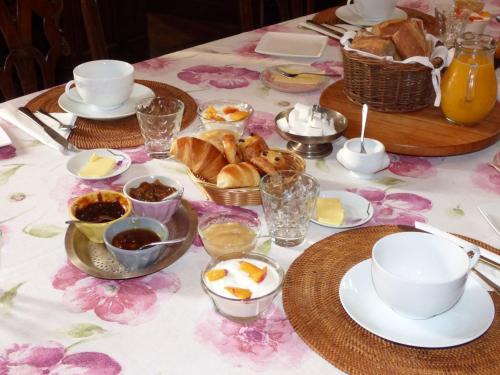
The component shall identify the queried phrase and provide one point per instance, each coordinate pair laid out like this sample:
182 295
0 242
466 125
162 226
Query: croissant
238 175
201 157
231 150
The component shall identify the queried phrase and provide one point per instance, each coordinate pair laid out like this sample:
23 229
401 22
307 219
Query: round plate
272 78
357 210
467 320
139 92
76 163
345 14
95 260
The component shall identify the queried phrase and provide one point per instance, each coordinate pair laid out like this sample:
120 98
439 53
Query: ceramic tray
93 258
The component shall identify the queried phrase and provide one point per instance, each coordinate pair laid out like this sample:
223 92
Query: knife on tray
58 138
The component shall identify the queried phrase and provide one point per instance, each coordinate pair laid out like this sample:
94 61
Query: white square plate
4 138
292 45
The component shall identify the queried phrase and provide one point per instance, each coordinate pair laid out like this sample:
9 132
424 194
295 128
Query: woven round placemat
312 304
119 133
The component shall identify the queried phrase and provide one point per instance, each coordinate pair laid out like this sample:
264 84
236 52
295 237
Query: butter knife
51 132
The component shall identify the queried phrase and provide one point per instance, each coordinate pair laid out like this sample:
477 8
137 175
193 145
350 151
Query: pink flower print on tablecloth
410 166
155 64
221 77
51 358
130 302
261 123
138 155
421 5
210 208
336 68
268 344
7 152
395 208
486 177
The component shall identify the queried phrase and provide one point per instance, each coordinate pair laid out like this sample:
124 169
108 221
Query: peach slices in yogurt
242 286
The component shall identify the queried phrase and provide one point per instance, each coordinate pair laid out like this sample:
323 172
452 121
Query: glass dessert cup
213 117
250 309
226 233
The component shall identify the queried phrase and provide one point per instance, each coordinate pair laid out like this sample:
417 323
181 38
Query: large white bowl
420 275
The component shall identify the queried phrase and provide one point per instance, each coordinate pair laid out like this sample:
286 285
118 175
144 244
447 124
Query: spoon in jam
168 242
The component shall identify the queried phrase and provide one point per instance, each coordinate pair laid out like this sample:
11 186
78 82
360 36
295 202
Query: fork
61 124
293 75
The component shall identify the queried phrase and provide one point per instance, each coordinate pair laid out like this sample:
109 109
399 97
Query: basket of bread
377 71
229 170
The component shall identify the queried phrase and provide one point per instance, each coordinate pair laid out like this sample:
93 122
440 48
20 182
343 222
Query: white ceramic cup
372 9
363 165
103 83
420 275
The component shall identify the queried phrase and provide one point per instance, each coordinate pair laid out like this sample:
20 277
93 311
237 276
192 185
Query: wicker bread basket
387 86
249 196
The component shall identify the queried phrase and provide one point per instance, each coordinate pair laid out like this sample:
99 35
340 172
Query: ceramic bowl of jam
155 196
123 239
95 211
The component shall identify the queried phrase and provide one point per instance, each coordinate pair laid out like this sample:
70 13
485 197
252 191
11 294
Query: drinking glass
450 23
160 121
288 200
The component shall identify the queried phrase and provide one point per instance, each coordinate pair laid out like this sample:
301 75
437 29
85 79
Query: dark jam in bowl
154 192
100 212
133 239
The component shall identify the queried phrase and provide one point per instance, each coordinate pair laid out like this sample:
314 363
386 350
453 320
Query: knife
327 29
51 132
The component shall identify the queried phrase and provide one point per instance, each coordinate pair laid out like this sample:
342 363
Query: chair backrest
29 51
94 29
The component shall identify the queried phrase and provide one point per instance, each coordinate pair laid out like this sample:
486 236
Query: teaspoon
175 240
364 114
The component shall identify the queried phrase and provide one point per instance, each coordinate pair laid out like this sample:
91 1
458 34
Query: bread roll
387 28
215 137
238 175
252 147
375 45
263 165
201 157
410 39
231 150
276 158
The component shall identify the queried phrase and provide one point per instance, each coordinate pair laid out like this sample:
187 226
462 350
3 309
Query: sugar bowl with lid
363 165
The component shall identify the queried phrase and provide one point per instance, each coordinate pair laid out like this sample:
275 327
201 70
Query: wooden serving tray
420 133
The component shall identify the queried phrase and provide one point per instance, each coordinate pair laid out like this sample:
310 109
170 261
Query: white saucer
347 15
139 92
464 322
357 210
362 176
75 163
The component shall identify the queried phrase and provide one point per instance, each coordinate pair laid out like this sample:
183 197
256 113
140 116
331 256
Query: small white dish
292 45
4 138
128 108
76 163
464 322
347 15
357 210
491 212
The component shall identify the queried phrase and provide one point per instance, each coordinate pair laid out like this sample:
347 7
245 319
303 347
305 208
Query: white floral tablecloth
58 320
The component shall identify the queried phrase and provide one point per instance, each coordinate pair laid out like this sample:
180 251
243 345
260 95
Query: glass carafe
469 85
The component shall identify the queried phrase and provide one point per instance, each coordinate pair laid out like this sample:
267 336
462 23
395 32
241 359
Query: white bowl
363 165
420 275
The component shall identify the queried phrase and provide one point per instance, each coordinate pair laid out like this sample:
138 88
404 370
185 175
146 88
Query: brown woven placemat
311 301
119 133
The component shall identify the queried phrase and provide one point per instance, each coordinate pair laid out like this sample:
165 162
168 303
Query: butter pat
329 211
97 166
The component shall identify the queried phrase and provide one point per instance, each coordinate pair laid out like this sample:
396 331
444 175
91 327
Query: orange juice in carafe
469 84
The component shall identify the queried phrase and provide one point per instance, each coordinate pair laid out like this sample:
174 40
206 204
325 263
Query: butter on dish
329 211
97 166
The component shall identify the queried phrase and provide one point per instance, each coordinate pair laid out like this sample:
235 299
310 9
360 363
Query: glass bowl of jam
124 238
155 196
94 212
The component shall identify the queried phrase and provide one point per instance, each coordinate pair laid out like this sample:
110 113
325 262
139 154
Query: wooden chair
94 29
28 61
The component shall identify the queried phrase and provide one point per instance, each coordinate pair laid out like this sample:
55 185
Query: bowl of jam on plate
95 211
124 238
155 196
